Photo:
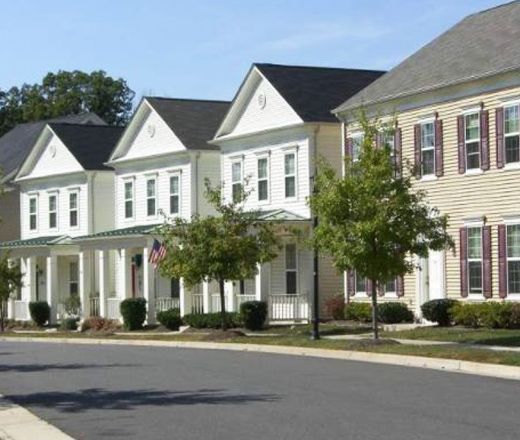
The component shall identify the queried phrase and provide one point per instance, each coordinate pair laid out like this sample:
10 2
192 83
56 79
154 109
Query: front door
436 275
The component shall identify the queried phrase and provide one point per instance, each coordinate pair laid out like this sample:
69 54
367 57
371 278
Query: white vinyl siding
74 209
472 140
512 133
175 194
427 148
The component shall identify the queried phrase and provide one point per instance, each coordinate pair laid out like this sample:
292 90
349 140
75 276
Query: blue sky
203 48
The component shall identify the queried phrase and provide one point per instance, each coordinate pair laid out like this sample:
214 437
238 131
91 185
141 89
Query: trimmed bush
171 319
468 315
98 324
438 310
335 307
394 313
40 312
69 324
211 320
357 311
133 311
253 314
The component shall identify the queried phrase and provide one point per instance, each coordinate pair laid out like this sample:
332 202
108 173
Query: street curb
17 423
452 365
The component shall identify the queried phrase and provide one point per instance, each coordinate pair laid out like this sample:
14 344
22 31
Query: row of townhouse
92 196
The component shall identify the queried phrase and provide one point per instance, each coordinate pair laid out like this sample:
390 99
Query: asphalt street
116 392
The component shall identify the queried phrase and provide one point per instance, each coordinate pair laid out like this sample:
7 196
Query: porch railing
197 303
113 308
244 298
93 304
288 307
21 310
166 303
215 302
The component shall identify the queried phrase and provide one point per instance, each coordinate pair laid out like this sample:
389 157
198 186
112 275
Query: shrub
335 307
171 319
394 313
40 312
253 314
357 311
467 315
211 320
515 316
69 324
72 306
133 311
438 310
98 324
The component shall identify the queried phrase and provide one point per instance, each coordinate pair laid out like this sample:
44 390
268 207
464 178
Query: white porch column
205 297
229 293
183 303
258 282
103 282
51 278
10 300
123 274
84 282
148 287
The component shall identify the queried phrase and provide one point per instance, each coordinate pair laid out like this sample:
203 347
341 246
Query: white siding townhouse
279 123
160 163
65 191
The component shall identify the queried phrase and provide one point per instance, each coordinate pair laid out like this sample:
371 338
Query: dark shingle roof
193 121
90 144
481 45
314 91
16 144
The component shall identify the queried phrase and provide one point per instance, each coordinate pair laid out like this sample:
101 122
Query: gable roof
16 144
194 121
481 45
313 91
89 144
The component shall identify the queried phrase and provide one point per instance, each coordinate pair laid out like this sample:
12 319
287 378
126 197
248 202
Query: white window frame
263 179
149 178
357 139
175 175
240 182
471 112
468 226
54 194
506 135
355 284
422 123
31 214
515 295
291 270
70 210
130 180
391 293
71 280
291 152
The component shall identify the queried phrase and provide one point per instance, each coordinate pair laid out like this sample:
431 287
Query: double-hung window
512 133
263 179
360 284
472 140
236 181
391 286
513 258
53 211
290 175
151 197
129 198
475 282
291 269
427 148
175 194
33 213
74 209
357 143
73 278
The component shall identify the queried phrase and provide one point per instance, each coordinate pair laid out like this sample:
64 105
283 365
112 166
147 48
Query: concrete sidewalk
16 423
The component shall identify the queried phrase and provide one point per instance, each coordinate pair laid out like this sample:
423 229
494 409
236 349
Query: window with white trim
236 181
360 284
513 258
74 209
475 274
512 133
151 197
357 143
53 211
291 269
73 278
472 140
129 198
290 175
391 286
427 148
263 178
33 213
175 195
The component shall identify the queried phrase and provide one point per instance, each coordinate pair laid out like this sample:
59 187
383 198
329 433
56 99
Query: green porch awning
132 231
36 242
279 215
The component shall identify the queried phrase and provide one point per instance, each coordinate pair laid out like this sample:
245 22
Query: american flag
157 253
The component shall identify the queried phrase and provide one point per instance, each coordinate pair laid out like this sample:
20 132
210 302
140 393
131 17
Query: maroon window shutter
484 140
486 266
348 147
417 150
351 282
439 168
398 152
502 261
499 121
368 287
461 145
399 286
463 262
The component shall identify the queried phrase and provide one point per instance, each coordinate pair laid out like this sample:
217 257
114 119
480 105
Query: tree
371 220
223 247
10 281
65 93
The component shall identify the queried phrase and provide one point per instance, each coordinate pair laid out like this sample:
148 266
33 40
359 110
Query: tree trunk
222 305
375 319
2 311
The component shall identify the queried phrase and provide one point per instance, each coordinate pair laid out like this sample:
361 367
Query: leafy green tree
10 281
65 93
222 247
371 220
